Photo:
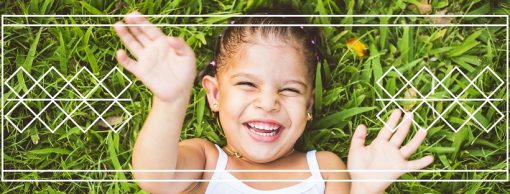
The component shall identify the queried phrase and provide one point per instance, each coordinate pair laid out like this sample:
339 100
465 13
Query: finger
180 46
387 130
420 163
136 30
399 136
150 30
139 35
129 40
127 62
413 144
358 138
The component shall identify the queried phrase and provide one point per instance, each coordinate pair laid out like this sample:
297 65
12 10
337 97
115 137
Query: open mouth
264 131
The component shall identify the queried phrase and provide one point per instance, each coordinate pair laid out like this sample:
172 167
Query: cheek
233 103
296 108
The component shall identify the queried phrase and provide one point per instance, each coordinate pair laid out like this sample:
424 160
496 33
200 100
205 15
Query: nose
267 101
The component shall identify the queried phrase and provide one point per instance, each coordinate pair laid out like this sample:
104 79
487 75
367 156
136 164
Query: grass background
346 90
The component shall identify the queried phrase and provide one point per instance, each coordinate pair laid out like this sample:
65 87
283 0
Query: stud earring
309 115
215 105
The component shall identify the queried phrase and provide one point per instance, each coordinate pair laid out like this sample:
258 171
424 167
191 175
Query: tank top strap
313 165
218 174
221 163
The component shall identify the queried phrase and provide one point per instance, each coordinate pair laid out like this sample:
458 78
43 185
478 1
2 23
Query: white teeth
263 134
264 126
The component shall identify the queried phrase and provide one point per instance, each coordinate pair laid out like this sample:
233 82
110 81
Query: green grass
345 95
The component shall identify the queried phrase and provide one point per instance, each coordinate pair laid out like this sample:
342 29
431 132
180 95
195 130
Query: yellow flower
357 46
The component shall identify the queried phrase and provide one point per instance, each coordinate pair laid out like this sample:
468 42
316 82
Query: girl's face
263 97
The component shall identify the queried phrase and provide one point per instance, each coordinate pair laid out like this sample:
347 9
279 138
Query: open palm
166 65
384 160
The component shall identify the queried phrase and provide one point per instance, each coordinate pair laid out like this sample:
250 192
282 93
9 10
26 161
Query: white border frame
226 16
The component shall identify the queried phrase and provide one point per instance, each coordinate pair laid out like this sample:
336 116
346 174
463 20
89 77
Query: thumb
127 62
420 163
358 138
180 46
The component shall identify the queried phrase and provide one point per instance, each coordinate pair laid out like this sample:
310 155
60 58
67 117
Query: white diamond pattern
83 99
424 100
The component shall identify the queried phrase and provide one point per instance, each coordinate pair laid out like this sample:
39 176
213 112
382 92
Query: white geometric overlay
52 99
37 179
455 98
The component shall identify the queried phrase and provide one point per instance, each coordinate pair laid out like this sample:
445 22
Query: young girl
262 91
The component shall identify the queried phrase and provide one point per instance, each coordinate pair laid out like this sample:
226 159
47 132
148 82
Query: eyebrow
243 75
253 77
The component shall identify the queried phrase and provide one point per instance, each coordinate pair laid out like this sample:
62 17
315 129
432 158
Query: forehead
269 59
269 62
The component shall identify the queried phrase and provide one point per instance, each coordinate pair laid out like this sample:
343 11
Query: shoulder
200 145
203 146
197 142
208 150
330 161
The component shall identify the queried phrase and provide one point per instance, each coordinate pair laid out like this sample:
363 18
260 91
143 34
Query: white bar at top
261 25
263 15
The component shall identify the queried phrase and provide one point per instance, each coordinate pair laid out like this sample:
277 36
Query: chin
264 153
262 158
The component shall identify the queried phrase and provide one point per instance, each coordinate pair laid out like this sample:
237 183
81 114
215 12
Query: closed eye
292 90
245 84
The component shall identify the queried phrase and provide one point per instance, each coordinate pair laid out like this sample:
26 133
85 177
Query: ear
212 90
310 102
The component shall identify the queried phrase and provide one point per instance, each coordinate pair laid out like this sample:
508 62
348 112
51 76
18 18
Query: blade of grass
318 89
27 64
333 119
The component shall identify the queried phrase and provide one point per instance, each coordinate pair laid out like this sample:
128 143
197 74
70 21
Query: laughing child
260 87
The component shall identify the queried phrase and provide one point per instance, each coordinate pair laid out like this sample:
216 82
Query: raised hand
166 65
384 155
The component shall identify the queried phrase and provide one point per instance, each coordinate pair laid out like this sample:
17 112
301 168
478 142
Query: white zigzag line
455 99
83 98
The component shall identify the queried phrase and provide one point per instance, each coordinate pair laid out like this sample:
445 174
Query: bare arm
166 65
157 148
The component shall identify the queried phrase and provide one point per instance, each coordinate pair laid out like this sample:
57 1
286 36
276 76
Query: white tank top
311 185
